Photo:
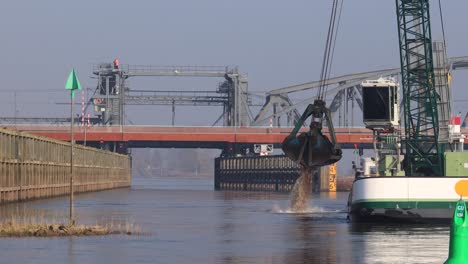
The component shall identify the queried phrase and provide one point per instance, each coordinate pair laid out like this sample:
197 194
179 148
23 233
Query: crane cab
380 103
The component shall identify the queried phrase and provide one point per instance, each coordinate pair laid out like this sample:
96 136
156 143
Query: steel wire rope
326 52
329 47
334 45
446 70
443 26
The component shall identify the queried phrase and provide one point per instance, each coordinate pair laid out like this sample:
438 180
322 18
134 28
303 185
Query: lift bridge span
240 126
224 138
112 94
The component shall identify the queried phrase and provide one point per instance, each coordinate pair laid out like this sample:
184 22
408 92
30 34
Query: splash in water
310 210
300 194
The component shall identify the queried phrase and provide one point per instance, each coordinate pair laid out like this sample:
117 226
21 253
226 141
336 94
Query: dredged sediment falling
300 194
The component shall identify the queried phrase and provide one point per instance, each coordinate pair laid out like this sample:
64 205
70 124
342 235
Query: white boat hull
420 199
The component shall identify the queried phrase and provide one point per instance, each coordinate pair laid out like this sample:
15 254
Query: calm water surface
188 222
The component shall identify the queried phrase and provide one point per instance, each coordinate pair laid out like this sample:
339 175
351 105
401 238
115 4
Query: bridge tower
112 94
110 98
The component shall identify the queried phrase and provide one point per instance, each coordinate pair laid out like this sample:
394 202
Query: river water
185 221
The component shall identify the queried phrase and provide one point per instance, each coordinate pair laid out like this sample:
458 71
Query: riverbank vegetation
17 228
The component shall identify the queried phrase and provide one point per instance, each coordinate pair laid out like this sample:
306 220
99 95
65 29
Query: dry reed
37 226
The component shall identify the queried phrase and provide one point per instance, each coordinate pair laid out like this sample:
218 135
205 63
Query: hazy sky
277 43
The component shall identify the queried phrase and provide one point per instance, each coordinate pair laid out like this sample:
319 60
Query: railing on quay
38 167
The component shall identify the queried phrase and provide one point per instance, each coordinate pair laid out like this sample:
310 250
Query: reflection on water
406 243
190 223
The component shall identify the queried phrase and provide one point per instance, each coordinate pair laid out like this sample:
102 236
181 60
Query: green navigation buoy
73 83
458 248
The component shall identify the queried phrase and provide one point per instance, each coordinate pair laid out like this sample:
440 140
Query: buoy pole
458 247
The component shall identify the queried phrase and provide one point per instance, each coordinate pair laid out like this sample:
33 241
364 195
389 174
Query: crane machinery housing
421 147
432 162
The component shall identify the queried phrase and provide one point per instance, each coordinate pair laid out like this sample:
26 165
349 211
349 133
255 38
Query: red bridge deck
193 135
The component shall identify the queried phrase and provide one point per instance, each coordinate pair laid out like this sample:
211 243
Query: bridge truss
112 92
345 92
231 94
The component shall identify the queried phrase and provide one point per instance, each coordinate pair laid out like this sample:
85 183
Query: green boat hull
398 211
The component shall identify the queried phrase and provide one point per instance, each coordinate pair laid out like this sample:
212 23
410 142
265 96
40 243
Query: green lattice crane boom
424 152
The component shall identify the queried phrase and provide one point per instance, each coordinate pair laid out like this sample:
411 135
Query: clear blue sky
278 43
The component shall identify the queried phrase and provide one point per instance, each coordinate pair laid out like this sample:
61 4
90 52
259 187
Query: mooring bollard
458 246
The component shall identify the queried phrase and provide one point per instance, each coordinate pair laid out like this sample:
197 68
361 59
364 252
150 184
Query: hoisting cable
446 70
326 53
333 49
442 23
443 26
312 149
329 47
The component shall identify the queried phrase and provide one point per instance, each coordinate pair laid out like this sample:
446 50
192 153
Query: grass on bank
16 228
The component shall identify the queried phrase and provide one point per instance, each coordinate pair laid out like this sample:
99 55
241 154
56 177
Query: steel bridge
119 138
112 94
344 90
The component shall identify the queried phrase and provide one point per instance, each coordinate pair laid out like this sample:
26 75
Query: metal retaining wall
263 173
37 167
258 173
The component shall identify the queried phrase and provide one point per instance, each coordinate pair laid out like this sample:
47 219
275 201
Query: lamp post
72 84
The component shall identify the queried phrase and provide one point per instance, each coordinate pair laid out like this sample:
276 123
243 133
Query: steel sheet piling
36 167
265 173
262 173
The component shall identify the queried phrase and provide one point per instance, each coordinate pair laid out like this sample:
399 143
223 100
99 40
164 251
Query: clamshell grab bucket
311 149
